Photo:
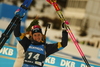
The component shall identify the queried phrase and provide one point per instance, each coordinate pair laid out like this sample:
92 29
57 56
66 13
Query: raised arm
52 48
23 40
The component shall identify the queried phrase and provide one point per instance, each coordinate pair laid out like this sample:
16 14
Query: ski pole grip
66 22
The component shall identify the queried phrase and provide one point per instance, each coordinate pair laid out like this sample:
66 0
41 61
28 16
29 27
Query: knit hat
36 29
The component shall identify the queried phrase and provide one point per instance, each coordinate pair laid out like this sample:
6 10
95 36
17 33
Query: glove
62 25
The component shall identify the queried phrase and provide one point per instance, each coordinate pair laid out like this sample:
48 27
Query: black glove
63 25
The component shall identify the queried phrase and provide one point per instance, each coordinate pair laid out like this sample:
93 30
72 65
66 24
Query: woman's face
37 37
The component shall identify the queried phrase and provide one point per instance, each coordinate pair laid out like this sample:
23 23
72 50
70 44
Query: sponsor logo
6 51
37 48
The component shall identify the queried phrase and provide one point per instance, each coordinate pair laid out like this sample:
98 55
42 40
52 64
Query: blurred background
82 15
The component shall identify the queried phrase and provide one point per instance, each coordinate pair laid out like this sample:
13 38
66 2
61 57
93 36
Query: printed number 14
36 56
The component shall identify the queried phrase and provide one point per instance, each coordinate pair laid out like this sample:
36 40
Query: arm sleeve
52 48
23 40
17 30
64 38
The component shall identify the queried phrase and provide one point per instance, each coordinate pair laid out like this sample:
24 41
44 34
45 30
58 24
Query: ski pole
47 26
77 45
53 2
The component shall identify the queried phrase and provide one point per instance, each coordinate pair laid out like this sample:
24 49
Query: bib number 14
34 56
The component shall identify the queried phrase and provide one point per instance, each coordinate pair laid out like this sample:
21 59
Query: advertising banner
7 56
64 62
